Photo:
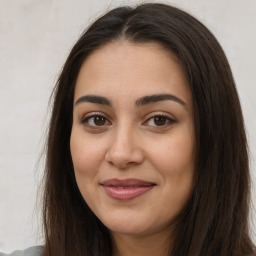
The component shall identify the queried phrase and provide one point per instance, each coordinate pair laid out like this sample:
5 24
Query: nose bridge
123 137
124 148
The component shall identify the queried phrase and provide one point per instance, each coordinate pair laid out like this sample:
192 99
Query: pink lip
126 189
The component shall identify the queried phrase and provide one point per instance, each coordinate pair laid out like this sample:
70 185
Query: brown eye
99 120
160 120
95 121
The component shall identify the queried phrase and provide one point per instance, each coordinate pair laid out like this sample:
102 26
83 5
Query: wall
36 36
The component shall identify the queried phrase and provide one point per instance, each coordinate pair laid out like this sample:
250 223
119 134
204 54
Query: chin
129 225
131 230
134 225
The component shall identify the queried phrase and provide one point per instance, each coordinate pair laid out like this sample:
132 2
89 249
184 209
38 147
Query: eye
95 121
159 121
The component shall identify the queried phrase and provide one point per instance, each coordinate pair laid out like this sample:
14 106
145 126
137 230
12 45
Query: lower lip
127 193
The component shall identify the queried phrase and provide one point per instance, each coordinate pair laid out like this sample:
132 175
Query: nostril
124 150
124 160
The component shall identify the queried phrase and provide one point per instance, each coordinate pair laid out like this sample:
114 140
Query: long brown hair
215 220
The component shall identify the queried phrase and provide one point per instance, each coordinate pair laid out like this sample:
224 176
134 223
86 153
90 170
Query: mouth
127 189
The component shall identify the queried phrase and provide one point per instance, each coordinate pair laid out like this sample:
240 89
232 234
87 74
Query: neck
151 245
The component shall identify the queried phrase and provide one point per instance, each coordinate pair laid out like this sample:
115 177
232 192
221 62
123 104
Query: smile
125 190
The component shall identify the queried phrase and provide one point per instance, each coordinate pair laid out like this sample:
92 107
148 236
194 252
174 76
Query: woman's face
132 141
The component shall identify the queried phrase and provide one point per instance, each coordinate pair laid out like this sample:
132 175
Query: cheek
86 158
86 154
174 160
174 155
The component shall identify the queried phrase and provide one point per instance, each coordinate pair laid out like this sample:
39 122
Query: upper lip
127 183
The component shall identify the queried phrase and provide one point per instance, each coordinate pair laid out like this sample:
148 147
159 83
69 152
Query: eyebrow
139 103
94 99
156 98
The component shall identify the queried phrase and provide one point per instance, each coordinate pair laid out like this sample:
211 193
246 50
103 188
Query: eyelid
87 116
149 116
160 113
168 116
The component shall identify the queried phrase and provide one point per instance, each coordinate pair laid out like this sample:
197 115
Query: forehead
135 69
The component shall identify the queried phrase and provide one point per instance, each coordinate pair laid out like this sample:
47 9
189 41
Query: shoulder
31 251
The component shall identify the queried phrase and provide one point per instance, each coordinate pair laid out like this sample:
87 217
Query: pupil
160 120
99 120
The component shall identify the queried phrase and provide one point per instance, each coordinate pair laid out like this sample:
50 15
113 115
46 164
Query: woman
146 150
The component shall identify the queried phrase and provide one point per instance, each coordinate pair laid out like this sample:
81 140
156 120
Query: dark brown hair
215 220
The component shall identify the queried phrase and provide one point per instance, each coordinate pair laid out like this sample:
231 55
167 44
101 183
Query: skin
129 142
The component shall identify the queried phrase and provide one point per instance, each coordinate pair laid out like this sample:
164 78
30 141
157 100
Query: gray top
31 251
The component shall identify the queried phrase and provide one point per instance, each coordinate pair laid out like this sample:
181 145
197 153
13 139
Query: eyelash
85 120
167 120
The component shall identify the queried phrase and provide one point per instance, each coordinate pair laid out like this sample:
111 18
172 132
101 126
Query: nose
124 150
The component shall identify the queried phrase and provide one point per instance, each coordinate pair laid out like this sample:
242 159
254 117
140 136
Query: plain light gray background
35 38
